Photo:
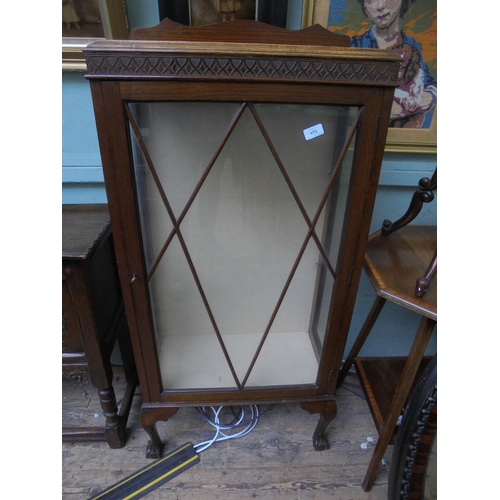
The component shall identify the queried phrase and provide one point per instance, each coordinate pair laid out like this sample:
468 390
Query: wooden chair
401 263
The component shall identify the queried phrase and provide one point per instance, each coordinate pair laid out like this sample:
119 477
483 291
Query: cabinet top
240 50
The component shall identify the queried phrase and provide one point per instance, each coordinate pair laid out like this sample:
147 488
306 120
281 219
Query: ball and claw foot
320 443
327 411
153 451
149 417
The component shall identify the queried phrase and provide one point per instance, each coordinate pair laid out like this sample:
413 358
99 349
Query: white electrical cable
238 422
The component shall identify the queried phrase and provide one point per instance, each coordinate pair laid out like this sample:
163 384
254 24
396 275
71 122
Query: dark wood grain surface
82 228
379 378
241 31
394 262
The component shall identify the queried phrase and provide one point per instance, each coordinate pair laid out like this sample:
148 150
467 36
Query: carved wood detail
161 65
427 415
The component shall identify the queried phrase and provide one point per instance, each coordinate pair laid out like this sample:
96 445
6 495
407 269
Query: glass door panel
331 237
189 351
242 209
251 231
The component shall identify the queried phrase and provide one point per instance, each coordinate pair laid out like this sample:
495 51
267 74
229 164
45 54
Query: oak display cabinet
241 163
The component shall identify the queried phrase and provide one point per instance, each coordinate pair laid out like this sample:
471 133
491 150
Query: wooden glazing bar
207 306
176 230
304 244
290 185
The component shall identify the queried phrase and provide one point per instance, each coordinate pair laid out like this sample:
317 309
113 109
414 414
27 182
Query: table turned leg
115 426
327 411
361 338
149 417
410 369
130 370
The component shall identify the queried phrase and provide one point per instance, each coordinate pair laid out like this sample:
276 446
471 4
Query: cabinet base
150 415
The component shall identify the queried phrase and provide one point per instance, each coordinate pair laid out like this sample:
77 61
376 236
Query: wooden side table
392 264
93 317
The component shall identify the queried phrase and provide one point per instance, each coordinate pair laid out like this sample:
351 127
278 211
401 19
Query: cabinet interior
242 207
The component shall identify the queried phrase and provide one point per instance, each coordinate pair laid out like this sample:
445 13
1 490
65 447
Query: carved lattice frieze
265 68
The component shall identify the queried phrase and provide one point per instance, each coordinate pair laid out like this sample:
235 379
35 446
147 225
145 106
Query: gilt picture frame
85 21
419 23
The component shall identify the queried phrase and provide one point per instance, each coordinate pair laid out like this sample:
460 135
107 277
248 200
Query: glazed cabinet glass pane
242 208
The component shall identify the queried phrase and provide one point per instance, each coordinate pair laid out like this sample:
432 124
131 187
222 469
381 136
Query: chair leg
361 338
410 369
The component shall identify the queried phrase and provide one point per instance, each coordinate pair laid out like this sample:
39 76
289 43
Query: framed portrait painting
202 12
408 27
84 21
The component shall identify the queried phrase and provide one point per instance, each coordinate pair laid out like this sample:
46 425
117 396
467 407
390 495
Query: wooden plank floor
275 461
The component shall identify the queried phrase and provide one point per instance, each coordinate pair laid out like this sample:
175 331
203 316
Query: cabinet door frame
120 180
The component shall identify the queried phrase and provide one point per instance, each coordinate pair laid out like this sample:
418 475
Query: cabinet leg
149 417
115 425
327 411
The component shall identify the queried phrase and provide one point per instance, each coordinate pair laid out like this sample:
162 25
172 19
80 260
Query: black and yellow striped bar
152 476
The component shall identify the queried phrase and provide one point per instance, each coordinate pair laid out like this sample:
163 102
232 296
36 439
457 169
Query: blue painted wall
83 182
82 177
